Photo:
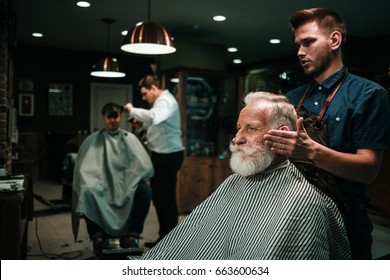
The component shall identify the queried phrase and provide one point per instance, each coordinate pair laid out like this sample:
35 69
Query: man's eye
307 43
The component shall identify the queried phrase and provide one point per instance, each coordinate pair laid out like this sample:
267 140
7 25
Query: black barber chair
64 203
115 252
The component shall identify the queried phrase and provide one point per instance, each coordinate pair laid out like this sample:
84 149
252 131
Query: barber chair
116 252
64 203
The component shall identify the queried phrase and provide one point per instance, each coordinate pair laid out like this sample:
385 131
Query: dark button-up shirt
357 118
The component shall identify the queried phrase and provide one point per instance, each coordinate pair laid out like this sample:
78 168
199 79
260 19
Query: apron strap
328 99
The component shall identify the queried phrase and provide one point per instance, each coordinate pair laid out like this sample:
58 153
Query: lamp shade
108 67
148 38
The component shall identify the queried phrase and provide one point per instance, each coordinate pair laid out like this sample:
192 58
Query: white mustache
244 149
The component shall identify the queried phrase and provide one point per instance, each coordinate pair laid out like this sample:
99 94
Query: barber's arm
362 167
137 116
128 107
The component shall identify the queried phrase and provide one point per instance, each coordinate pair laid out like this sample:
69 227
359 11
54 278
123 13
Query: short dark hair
328 20
111 108
148 81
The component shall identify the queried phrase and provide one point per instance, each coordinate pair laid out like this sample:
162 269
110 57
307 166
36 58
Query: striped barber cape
275 215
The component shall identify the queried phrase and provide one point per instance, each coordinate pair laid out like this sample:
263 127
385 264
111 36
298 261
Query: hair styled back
148 81
328 20
280 111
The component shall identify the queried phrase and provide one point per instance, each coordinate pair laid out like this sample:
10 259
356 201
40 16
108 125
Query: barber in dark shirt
357 119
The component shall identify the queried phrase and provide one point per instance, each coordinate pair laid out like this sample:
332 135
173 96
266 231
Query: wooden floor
50 233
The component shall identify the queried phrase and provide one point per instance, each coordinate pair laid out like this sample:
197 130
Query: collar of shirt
113 133
280 165
329 82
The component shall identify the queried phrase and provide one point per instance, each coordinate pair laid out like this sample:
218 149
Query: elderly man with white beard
266 210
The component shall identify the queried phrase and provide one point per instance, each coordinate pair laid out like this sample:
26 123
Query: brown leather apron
316 128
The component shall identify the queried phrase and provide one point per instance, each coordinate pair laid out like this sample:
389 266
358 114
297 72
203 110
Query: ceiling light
83 4
37 34
232 49
148 38
176 80
108 67
219 18
274 41
237 61
124 32
284 76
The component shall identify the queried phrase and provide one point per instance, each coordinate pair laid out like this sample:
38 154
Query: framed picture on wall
60 100
26 85
26 104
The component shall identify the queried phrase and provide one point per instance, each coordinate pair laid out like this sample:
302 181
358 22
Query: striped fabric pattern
275 215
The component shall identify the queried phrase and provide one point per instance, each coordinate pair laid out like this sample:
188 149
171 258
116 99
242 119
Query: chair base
116 252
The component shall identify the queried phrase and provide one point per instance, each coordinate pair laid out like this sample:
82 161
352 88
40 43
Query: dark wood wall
43 138
43 66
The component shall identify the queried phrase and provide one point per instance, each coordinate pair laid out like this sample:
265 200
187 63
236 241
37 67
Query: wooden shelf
209 103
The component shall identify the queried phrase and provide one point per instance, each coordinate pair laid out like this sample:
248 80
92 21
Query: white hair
280 111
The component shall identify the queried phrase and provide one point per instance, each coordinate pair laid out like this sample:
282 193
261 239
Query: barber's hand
290 143
128 107
135 123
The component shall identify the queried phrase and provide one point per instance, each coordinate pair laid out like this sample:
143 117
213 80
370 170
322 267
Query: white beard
248 161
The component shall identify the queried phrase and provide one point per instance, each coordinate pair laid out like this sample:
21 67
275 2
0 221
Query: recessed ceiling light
219 18
284 76
37 34
274 41
83 4
232 49
237 61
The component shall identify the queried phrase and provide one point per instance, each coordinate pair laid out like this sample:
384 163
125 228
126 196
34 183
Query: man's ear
284 127
336 38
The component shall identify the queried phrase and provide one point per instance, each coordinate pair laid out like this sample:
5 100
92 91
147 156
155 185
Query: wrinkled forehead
254 113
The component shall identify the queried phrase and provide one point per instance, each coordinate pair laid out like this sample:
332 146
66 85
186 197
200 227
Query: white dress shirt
162 122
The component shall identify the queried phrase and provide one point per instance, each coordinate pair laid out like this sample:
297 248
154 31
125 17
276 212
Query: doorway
101 94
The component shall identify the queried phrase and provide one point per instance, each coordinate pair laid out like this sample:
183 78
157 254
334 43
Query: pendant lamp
148 38
108 67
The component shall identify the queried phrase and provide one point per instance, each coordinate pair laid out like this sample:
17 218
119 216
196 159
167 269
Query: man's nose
301 52
238 139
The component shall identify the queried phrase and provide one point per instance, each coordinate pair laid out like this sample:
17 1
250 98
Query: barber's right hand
299 126
290 143
135 123
128 107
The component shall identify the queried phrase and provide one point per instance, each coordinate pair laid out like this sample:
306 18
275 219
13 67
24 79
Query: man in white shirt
163 135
